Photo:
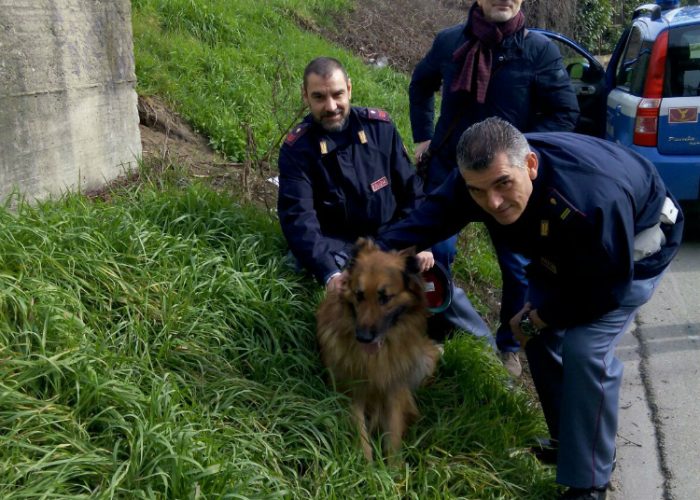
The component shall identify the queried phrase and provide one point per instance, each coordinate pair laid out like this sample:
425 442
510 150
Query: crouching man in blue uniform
599 228
345 173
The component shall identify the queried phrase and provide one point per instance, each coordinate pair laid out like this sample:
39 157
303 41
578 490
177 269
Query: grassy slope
156 347
229 64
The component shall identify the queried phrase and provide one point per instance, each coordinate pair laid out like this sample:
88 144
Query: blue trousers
578 378
513 293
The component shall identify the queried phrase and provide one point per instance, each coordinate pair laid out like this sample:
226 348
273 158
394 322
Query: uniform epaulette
295 133
562 207
378 114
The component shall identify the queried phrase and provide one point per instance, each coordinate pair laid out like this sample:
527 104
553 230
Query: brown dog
373 340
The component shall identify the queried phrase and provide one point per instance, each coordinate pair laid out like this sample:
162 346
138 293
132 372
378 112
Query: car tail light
646 123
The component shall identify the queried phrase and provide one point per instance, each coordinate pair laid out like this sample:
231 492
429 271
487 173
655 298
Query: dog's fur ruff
373 341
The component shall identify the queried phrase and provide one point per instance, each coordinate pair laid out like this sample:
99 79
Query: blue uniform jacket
330 194
529 87
590 198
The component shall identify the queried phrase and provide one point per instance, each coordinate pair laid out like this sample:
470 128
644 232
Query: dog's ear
364 244
412 278
361 245
412 266
411 251
352 256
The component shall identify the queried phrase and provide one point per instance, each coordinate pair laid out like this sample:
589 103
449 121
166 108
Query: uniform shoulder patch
294 134
562 207
378 114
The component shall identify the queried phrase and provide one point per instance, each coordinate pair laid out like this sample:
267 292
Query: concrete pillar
68 108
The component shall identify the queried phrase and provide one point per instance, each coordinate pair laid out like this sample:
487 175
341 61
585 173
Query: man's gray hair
323 67
481 142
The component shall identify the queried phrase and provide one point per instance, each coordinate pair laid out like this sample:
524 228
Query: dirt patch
395 32
168 141
166 138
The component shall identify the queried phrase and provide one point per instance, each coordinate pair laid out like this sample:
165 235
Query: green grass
476 269
233 65
156 346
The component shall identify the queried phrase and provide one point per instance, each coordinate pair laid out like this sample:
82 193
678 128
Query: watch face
528 329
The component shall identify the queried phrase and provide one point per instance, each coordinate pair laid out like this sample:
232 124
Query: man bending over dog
345 174
599 227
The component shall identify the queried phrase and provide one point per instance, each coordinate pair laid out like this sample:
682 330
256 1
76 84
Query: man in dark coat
599 227
489 66
345 173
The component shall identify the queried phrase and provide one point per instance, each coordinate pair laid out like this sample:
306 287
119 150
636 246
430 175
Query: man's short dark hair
481 142
323 67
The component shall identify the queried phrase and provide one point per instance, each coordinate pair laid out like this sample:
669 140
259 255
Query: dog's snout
365 335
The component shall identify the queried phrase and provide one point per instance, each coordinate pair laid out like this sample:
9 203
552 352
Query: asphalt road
658 439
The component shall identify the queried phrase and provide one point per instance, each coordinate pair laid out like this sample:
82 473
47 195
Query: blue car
649 96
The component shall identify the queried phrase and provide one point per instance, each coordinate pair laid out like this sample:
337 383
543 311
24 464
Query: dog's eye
384 298
359 295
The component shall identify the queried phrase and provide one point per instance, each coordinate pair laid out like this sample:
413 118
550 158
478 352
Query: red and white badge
379 184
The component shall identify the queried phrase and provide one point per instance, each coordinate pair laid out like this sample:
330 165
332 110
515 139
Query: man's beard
333 127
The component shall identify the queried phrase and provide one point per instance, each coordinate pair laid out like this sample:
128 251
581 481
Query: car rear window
683 62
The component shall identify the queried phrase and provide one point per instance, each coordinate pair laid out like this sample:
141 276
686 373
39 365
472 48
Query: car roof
682 16
671 18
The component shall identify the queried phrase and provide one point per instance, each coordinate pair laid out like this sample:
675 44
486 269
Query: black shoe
546 451
585 493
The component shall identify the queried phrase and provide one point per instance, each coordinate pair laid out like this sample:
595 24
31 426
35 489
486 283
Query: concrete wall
68 108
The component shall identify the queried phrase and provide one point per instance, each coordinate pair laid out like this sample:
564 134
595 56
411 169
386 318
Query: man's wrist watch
528 327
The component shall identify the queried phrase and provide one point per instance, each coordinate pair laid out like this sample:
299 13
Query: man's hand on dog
425 260
337 282
421 148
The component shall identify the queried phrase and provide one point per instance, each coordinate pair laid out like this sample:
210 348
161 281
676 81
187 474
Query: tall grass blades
158 347
127 334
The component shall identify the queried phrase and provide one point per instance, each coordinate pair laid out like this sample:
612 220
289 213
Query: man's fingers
336 283
425 260
421 147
